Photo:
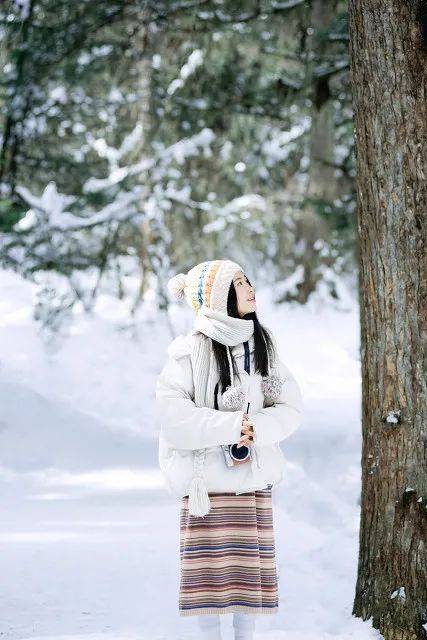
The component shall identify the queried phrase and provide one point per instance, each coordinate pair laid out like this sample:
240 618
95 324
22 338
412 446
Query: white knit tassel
198 497
271 384
234 396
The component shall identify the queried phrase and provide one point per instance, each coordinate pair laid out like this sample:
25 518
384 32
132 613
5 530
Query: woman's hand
247 432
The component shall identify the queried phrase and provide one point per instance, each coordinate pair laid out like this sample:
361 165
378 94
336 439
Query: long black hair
264 347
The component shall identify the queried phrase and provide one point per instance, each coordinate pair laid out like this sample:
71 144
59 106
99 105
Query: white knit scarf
224 329
229 331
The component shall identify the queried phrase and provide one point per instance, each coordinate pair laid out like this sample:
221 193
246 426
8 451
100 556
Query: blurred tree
230 120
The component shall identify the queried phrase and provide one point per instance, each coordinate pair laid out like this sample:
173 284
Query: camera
235 456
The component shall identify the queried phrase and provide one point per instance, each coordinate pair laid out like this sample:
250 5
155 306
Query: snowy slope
37 432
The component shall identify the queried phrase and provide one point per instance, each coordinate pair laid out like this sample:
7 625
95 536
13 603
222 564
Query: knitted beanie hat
206 284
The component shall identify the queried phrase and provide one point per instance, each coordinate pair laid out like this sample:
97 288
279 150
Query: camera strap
247 358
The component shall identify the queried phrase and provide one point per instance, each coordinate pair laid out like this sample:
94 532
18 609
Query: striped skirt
228 556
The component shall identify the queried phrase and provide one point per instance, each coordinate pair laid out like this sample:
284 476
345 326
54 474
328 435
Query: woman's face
245 294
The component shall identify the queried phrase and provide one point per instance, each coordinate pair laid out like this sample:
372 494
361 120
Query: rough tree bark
388 67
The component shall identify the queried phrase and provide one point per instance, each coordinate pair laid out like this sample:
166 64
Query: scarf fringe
198 497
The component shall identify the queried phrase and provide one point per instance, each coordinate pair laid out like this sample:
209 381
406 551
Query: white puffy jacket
184 427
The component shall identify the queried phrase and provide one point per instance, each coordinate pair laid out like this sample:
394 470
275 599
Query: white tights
243 623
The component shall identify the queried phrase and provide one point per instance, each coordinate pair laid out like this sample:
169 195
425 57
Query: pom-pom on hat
206 284
176 286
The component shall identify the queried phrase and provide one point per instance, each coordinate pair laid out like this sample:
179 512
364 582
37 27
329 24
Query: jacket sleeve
275 423
183 424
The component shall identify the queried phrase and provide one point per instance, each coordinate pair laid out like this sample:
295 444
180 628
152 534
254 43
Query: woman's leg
244 625
209 625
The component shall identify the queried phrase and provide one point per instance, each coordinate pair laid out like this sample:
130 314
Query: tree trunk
388 67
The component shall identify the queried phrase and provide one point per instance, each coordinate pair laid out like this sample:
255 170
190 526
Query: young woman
225 400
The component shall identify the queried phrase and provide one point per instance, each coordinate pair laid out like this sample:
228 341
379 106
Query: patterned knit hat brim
207 284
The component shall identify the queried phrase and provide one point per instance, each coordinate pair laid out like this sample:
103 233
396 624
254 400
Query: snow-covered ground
89 536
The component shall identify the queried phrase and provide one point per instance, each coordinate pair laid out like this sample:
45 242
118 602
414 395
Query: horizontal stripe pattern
228 556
